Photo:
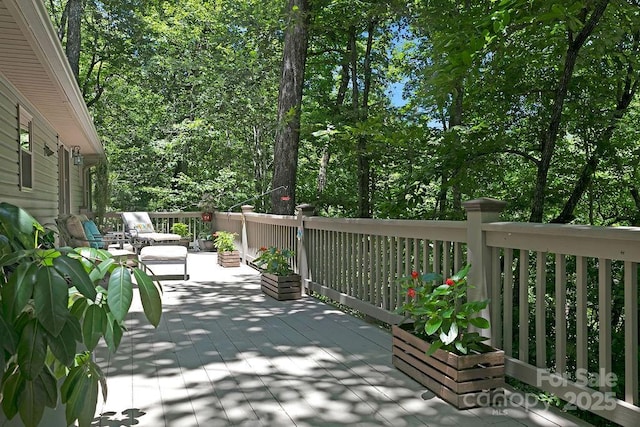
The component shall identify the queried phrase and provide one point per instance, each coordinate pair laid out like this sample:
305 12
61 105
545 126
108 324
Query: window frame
25 155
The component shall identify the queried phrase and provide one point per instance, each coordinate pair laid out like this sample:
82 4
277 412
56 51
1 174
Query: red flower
450 282
411 292
262 249
414 274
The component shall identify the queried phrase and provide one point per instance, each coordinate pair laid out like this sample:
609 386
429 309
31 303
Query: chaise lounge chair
138 226
77 230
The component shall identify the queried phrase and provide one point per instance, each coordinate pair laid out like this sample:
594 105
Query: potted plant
55 306
205 241
228 256
439 349
207 206
182 229
278 279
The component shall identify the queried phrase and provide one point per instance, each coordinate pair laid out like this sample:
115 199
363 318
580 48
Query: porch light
77 157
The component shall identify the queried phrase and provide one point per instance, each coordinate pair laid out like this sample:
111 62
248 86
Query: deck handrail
549 284
357 261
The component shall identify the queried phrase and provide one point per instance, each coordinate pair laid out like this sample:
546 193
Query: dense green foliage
529 101
532 102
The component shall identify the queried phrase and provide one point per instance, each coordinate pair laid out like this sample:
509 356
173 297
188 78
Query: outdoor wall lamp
77 157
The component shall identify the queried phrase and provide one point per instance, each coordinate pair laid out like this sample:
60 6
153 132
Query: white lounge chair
139 227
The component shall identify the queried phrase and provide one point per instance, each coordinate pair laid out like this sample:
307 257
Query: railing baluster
631 333
523 324
508 302
541 290
581 313
561 313
496 300
604 323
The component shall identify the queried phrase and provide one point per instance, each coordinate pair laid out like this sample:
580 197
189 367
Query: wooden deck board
225 354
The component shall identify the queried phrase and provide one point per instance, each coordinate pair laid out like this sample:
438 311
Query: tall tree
576 40
285 153
74 34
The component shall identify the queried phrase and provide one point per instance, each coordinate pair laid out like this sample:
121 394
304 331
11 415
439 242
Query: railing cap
484 204
246 208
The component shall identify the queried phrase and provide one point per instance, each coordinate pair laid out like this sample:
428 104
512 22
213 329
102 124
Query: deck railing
539 278
561 295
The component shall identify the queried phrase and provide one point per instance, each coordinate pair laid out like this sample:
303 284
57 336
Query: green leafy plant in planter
228 256
441 313
440 349
55 306
182 230
278 279
205 241
274 261
224 241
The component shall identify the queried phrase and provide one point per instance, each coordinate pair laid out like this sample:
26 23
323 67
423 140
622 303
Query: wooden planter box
281 287
466 381
229 259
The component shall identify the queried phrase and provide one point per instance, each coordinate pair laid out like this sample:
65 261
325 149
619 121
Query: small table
164 254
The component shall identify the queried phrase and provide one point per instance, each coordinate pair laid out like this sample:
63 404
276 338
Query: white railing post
480 211
304 210
245 242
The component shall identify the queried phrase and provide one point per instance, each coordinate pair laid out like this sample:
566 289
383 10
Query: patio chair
138 226
79 231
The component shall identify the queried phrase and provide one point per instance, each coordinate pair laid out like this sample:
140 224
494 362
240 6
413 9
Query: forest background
409 107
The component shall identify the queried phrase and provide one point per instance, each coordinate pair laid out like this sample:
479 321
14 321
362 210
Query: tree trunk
364 161
550 137
326 149
586 176
285 153
75 10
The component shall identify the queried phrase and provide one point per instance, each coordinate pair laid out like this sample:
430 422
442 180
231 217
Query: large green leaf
69 384
31 403
50 297
150 296
113 333
88 409
8 335
12 384
49 385
120 292
93 326
17 224
479 322
76 401
32 350
19 289
63 346
73 269
432 325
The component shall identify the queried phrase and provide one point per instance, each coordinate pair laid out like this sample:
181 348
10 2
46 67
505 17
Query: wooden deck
226 355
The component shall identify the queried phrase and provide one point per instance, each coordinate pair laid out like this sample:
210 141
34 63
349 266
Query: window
26 149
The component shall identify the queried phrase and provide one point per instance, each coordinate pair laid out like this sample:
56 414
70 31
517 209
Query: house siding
42 200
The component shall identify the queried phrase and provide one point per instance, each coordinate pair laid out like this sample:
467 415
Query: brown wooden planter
229 259
466 381
281 287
